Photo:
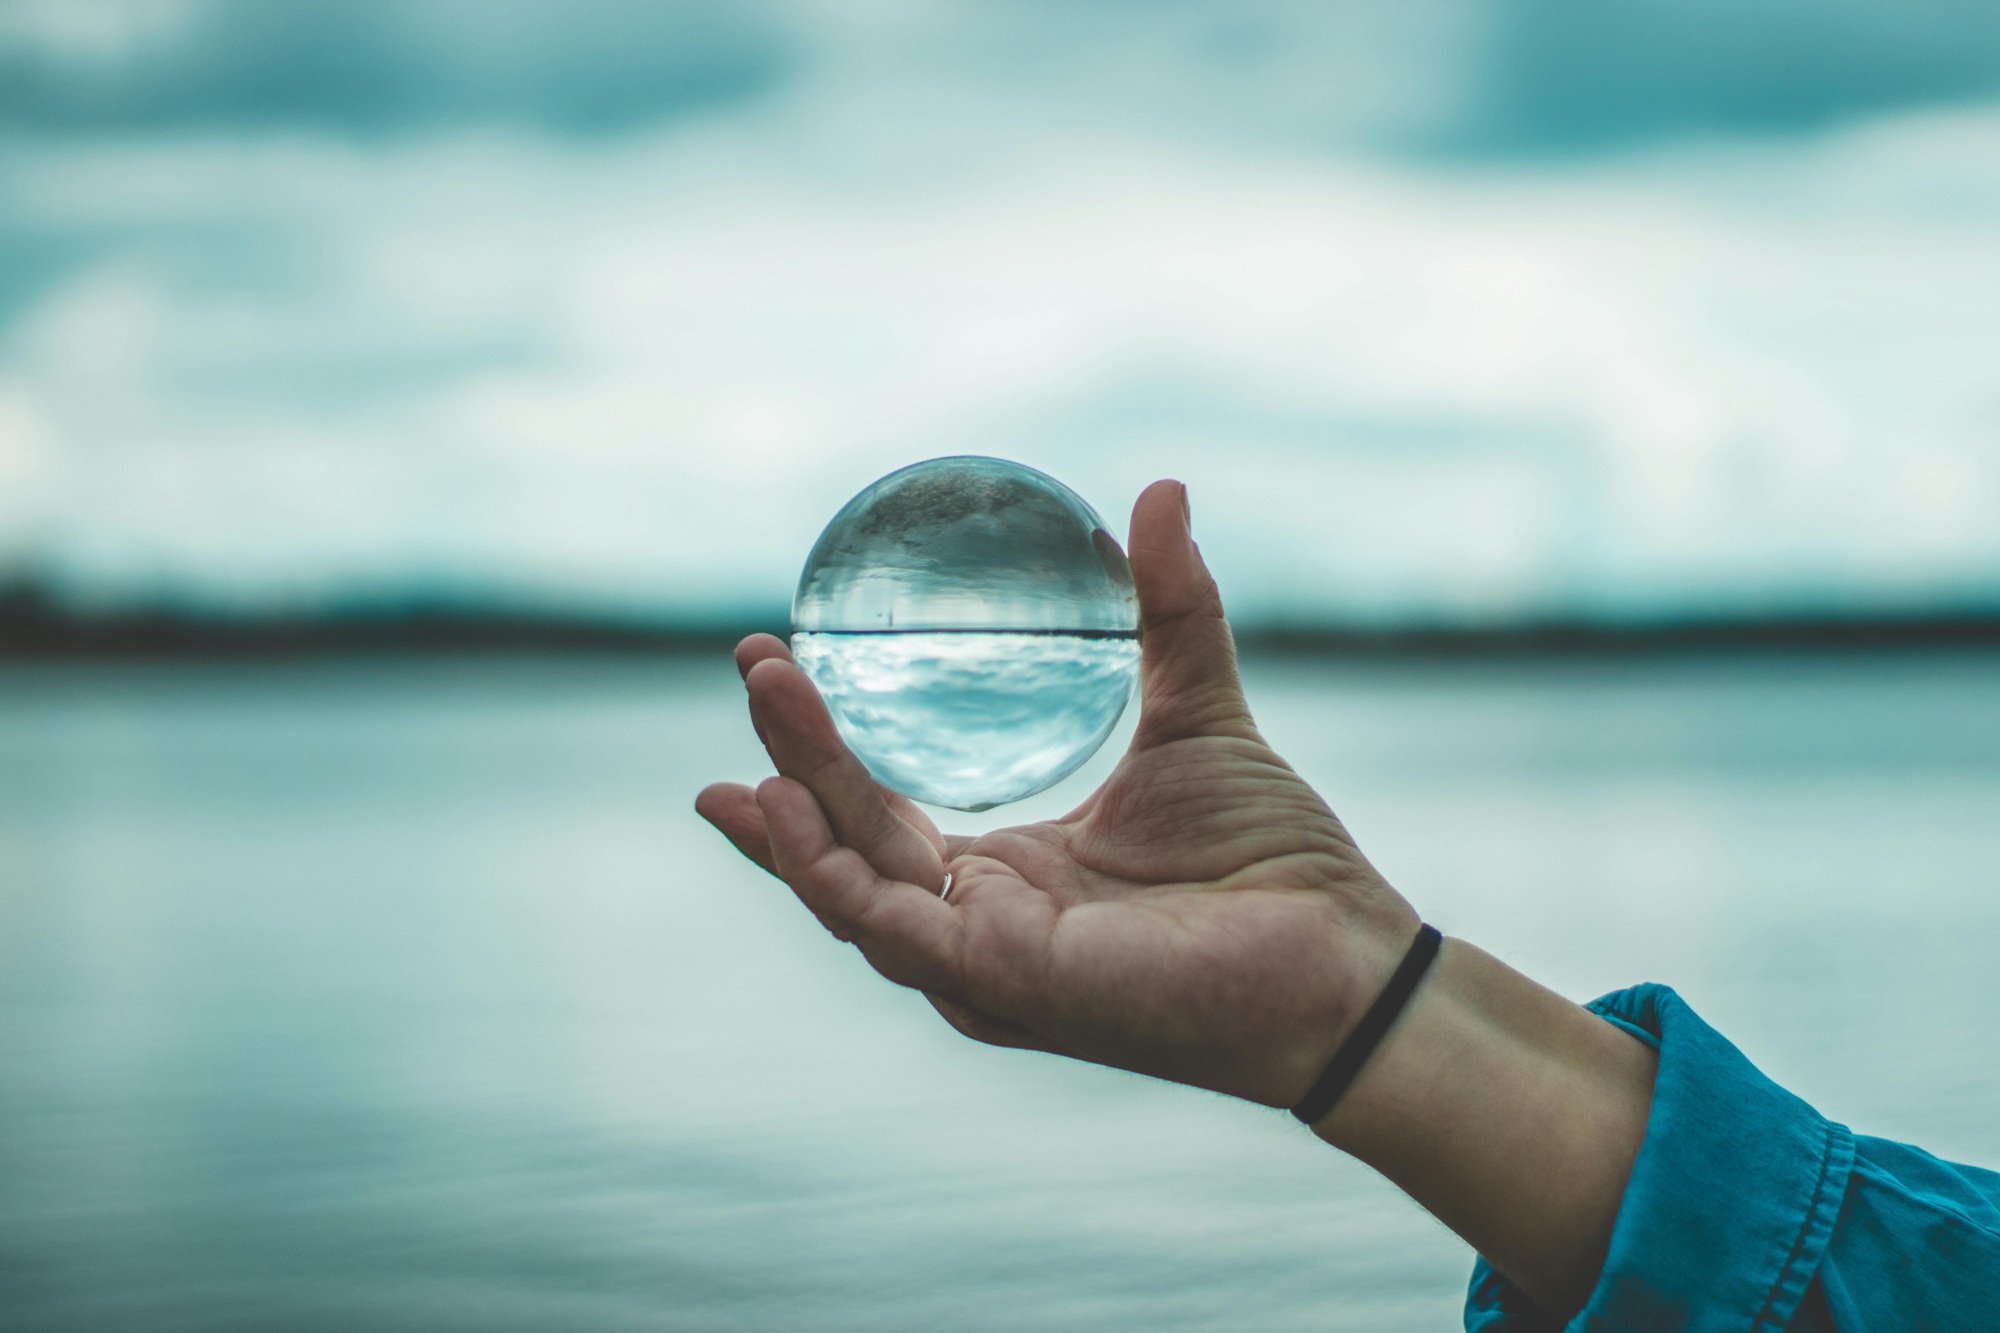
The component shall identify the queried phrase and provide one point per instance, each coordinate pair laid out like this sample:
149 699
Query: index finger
806 746
760 648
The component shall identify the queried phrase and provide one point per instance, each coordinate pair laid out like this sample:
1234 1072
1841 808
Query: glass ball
972 626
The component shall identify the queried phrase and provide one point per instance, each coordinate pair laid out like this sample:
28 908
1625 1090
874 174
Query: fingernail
1187 511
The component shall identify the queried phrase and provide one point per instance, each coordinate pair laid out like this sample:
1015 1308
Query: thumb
1188 680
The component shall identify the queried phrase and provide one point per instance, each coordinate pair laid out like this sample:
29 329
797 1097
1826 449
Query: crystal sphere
972 626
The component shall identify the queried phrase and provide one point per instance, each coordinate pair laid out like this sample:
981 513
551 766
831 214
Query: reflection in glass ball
973 629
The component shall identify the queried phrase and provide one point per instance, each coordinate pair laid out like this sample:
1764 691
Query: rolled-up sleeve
1748 1210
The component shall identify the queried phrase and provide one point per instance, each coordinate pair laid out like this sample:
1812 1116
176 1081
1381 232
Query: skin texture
1205 917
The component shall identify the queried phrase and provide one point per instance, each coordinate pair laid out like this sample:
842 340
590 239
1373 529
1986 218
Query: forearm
1511 1114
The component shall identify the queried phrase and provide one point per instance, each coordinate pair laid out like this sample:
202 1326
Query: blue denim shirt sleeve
1747 1210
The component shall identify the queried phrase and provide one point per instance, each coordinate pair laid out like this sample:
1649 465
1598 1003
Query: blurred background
1590 409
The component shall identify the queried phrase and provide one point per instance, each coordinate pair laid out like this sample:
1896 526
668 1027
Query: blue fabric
1747 1210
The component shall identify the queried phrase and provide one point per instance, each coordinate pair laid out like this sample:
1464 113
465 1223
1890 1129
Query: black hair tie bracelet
1368 1033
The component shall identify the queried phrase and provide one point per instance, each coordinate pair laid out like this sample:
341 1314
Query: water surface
413 996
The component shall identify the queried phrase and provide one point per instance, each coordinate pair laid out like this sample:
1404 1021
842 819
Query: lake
412 995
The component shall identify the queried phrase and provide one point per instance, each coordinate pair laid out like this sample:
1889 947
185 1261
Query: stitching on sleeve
1805 1228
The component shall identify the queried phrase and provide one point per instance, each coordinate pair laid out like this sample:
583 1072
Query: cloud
645 375
1487 76
378 67
1589 75
639 370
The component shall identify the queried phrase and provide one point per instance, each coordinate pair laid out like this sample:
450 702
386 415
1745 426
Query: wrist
1508 1112
1369 933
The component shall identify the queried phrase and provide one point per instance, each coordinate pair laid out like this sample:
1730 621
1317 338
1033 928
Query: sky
1447 310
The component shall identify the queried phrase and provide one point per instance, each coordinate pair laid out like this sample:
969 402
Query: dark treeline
34 625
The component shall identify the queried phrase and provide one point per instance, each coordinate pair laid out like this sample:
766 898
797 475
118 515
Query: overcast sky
1444 309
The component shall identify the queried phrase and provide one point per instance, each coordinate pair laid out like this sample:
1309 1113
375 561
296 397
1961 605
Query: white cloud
644 372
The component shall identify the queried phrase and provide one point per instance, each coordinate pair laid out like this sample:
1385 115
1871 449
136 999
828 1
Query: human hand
1203 916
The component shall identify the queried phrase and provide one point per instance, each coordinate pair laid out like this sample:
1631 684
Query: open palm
1202 916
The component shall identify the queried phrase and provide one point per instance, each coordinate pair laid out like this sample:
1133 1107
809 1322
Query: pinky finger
732 808
909 934
985 1028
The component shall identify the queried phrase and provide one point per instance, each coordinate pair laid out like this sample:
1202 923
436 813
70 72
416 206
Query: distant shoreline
1578 638
39 635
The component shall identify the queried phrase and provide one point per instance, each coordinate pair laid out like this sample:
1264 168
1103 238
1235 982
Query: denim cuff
1731 1203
